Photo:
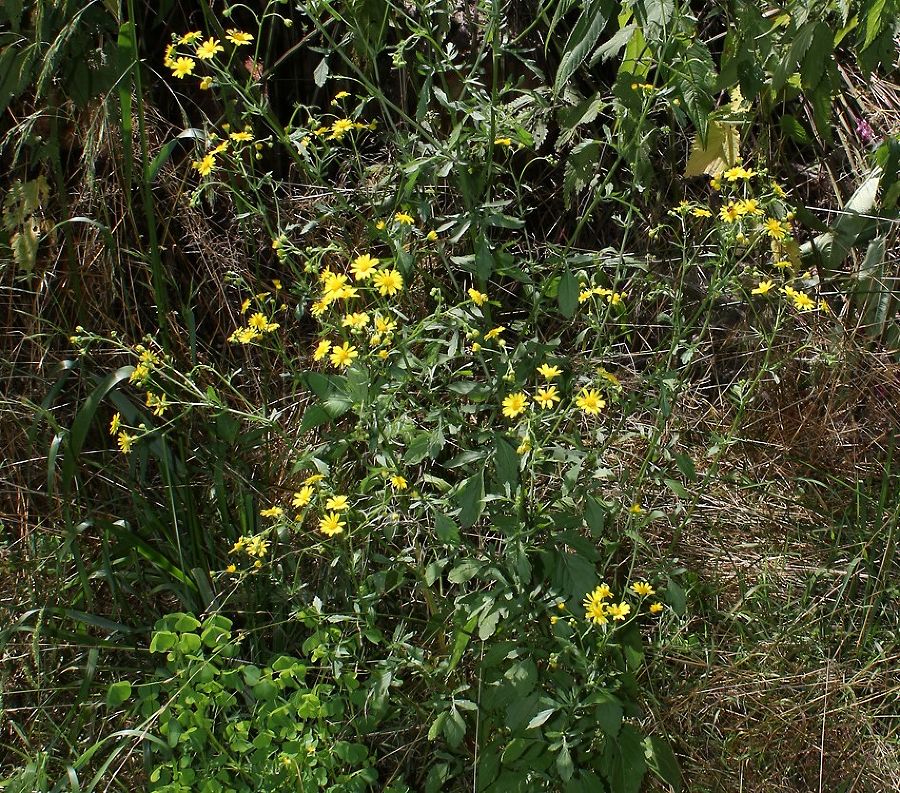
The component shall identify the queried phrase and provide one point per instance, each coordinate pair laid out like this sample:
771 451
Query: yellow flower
554 619
239 545
140 374
340 128
729 212
590 401
334 285
398 482
738 172
643 589
331 524
337 503
303 497
363 266
476 347
344 355
257 546
776 229
636 509
618 612
701 212
549 372
524 447
824 307
584 295
168 60
342 95
232 568
764 288
655 608
547 396
238 37
241 137
802 301
115 423
209 48
182 66
503 142
389 282
125 441
515 404
384 325
782 264
431 236
313 478
609 377
594 606
493 333
380 225
403 219
205 166
272 512
478 298
191 37
356 320
778 190
748 207
206 83
158 403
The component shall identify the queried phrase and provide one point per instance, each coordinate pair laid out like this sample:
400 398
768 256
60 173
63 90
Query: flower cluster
598 611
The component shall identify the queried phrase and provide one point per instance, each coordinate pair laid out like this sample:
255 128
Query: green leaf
189 643
662 762
506 461
446 530
163 641
582 40
321 72
623 761
540 718
813 65
595 513
564 764
470 499
454 728
118 693
484 260
567 294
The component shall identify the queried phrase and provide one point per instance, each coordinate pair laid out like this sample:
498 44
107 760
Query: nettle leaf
582 40
623 761
662 762
718 153
446 530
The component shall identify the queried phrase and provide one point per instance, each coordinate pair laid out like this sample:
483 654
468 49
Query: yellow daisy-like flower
590 401
431 236
337 503
655 608
749 207
618 612
503 142
115 423
524 447
594 605
272 512
206 83
241 137
238 37
205 166
158 403
191 37
322 350
209 48
636 509
363 266
738 172
776 229
729 213
549 372
478 298
125 442
403 219
493 333
356 320
389 282
701 212
782 264
303 497
181 67
546 397
232 568
764 288
398 482
643 589
802 301
344 355
313 478
340 128
384 325
331 524
168 56
515 404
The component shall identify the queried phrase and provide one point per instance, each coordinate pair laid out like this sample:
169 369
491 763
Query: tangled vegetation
447 396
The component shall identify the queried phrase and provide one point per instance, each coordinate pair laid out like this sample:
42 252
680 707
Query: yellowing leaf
719 153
